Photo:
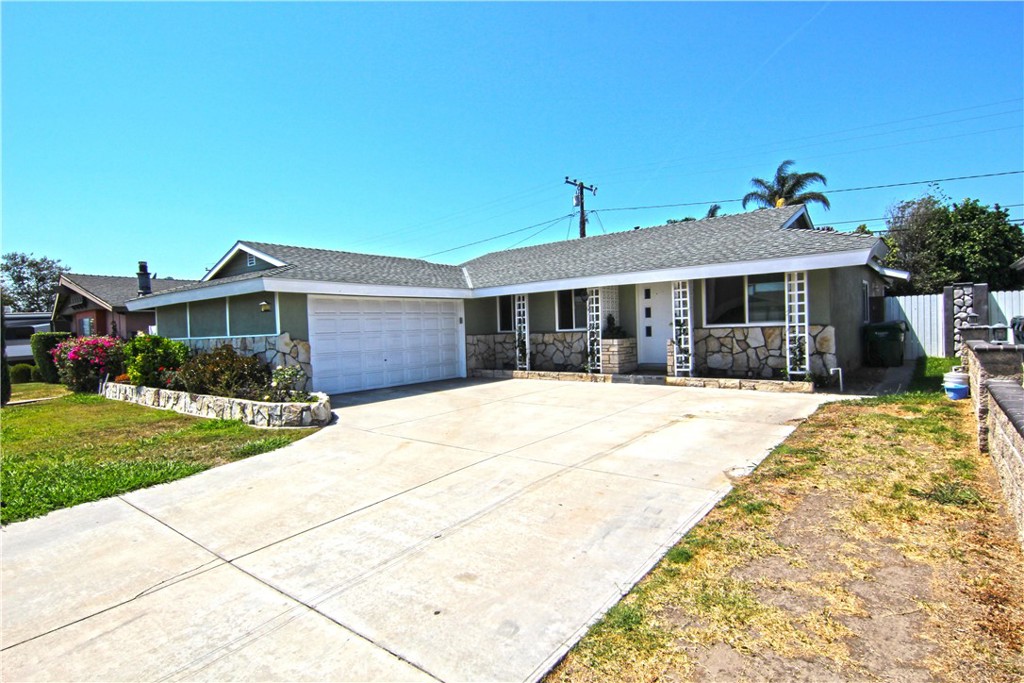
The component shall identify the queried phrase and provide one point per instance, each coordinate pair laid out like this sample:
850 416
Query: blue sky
166 132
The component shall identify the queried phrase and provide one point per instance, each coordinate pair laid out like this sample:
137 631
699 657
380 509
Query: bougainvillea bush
83 361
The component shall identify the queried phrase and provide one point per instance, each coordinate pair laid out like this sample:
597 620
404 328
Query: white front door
361 343
653 322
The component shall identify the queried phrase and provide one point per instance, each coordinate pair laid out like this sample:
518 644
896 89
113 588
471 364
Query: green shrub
21 373
43 344
36 375
150 360
222 372
83 362
5 381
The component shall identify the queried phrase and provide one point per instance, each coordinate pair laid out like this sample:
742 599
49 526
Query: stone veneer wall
548 351
1005 426
759 351
618 356
998 398
273 350
255 413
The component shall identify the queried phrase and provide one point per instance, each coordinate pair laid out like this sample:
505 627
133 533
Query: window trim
578 328
497 305
746 306
865 301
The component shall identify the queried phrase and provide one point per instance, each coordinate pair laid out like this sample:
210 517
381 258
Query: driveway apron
455 531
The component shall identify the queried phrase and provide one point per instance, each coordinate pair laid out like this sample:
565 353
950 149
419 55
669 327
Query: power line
848 189
504 234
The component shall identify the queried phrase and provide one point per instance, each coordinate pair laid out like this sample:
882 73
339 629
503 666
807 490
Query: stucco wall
207 318
542 312
246 318
294 315
846 313
481 315
170 321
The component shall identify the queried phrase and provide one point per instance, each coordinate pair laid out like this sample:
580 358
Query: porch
749 328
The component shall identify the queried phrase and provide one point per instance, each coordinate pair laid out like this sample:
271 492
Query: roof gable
112 291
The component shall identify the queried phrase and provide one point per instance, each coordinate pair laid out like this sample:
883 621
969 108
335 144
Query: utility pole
578 201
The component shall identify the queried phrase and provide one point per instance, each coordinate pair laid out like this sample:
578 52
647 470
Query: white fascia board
231 254
84 292
840 259
214 291
356 289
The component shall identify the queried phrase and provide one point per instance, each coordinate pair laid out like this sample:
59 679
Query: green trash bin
883 344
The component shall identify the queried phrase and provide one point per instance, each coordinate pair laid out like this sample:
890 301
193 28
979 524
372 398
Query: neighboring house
18 331
760 294
95 304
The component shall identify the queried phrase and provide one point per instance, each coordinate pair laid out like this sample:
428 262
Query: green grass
33 390
82 447
929 371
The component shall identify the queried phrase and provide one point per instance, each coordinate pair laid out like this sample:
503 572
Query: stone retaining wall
256 413
759 351
1005 426
273 350
986 363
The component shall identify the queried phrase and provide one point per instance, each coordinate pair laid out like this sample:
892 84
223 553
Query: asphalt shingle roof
750 236
117 289
753 236
369 269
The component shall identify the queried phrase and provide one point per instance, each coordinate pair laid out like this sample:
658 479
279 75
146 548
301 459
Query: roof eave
70 284
241 246
855 257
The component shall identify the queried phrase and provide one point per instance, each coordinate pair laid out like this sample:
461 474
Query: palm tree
713 211
786 188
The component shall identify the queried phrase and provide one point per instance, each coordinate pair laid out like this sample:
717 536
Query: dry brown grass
871 545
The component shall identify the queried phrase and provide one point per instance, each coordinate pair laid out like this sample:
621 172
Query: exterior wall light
264 307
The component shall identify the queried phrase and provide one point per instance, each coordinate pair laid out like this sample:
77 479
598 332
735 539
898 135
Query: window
86 327
572 309
250 260
505 322
745 300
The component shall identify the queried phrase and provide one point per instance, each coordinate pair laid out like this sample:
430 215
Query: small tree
30 283
940 244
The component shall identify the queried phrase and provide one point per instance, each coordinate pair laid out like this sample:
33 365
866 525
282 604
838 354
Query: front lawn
872 545
34 390
82 447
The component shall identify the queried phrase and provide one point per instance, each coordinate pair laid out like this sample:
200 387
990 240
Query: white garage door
366 343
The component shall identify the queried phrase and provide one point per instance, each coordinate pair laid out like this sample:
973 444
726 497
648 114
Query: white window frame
746 305
579 326
250 260
512 305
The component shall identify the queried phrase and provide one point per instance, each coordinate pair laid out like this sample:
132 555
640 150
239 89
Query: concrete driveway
455 531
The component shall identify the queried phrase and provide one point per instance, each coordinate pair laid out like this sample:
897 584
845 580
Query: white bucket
956 378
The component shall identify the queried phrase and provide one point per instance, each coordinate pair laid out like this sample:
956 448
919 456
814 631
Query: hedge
43 344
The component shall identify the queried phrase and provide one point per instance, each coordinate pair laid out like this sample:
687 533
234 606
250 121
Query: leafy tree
940 244
862 229
712 213
786 188
30 283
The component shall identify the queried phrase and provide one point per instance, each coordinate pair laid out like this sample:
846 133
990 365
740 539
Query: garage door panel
366 343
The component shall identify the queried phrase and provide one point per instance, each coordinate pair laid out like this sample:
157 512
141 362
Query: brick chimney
144 286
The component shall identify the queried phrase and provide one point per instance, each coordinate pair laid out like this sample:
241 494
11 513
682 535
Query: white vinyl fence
924 317
925 329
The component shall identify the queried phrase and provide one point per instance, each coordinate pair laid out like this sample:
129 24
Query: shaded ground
872 545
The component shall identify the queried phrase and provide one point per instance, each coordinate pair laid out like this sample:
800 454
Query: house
95 304
760 294
18 330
